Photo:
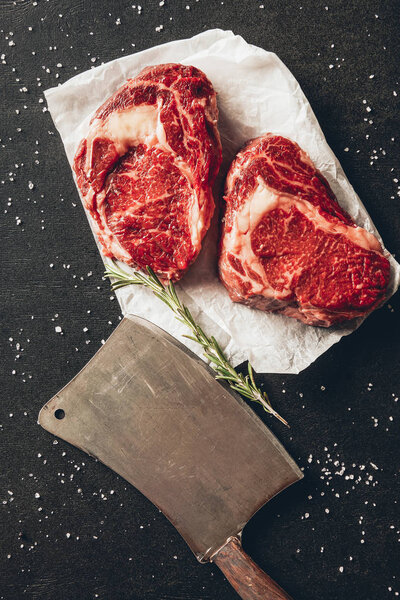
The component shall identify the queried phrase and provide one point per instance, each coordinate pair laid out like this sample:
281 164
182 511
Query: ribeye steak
146 168
287 246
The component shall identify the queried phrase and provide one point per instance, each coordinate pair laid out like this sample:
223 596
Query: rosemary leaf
189 337
244 385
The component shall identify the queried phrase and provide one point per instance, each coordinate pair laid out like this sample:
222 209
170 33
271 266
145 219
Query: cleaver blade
153 412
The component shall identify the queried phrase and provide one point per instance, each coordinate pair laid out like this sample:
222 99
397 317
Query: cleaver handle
250 582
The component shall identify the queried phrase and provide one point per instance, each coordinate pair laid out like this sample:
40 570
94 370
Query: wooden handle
250 582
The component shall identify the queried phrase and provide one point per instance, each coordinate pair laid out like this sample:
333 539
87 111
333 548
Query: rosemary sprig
245 385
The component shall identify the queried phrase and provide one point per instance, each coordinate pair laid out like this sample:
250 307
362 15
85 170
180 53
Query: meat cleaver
153 412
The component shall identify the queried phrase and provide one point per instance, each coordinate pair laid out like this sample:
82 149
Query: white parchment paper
256 94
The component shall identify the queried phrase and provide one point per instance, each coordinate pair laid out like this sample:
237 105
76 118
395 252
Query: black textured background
69 527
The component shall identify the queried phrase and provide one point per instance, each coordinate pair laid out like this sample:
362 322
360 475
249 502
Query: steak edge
288 247
147 166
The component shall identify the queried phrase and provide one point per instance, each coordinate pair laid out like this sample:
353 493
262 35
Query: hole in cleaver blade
152 411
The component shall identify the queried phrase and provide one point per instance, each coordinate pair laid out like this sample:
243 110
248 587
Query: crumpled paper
256 94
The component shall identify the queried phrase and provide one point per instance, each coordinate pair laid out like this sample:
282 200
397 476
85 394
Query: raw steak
147 165
287 246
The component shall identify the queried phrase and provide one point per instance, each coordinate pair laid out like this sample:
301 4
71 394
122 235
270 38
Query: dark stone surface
80 540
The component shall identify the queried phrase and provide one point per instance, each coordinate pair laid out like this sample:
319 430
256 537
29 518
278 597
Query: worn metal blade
153 412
